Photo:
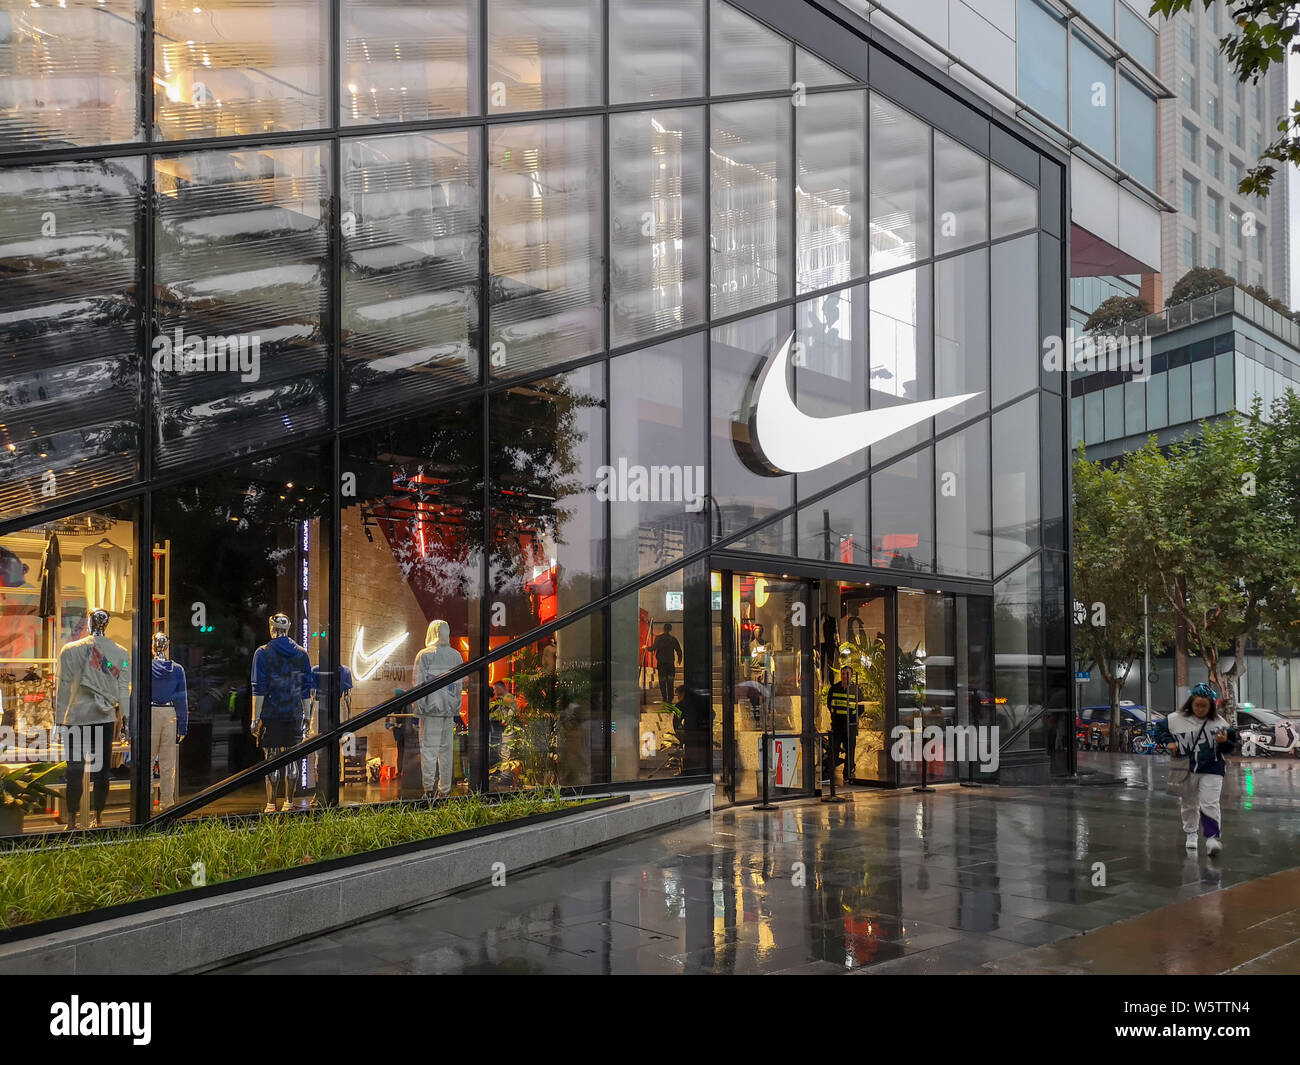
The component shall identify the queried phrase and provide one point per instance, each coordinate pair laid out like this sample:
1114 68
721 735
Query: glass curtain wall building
400 363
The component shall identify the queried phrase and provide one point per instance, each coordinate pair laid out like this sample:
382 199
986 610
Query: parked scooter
1281 739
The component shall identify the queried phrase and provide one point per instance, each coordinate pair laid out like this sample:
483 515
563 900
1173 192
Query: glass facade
425 423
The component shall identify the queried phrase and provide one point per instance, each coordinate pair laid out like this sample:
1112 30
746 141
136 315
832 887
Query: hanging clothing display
51 560
105 568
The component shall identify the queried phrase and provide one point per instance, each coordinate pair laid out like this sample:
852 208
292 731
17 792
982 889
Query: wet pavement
955 881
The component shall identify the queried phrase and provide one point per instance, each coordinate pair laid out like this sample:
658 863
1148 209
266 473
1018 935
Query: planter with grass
23 791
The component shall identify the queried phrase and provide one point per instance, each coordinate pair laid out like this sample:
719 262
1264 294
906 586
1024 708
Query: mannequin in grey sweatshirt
437 713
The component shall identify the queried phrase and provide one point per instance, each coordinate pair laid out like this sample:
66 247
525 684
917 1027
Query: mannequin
171 718
437 713
94 692
281 691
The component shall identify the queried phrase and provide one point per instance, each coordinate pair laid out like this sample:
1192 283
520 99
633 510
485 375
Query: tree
1198 281
1110 580
1264 296
1115 311
1263 33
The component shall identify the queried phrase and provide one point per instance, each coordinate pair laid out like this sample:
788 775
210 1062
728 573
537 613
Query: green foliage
1262 33
65 877
1264 296
24 787
867 659
1198 281
1115 311
547 700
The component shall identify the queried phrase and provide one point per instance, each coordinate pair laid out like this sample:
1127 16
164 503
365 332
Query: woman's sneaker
1190 843
269 808
1213 845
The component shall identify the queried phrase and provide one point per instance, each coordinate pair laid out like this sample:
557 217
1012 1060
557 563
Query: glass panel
1018 652
830 373
746 56
1137 37
961 334
926 676
1180 395
750 210
405 62
547 442
1093 418
900 187
1076 421
1223 382
831 150
65 729
411 224
231 69
545 251
1135 407
242 243
1137 132
850 635
69 330
961 196
902 336
657 509
547 711
656 52
1015 484
1015 319
656 223
742 495
1092 92
834 529
811 70
69 74
543 54
962 515
661 665
1040 54
1053 463
1158 401
1203 388
1101 13
1015 204
231 551
902 514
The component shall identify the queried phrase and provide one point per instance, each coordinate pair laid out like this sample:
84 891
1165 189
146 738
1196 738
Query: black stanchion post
830 773
765 738
925 776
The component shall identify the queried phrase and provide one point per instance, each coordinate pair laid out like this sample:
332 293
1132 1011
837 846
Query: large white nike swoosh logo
794 442
374 659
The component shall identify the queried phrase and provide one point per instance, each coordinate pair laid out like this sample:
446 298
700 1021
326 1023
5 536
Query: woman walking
1197 734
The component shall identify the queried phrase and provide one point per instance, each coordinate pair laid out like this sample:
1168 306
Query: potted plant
23 791
545 725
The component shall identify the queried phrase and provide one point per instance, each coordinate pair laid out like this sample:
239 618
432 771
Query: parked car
1094 721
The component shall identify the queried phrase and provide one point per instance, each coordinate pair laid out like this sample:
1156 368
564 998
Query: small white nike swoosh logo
794 442
374 659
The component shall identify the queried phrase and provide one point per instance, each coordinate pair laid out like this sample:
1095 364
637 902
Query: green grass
67 877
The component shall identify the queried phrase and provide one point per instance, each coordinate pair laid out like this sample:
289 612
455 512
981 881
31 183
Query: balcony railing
1231 300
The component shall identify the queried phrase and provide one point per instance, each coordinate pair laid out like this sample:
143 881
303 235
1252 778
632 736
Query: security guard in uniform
840 702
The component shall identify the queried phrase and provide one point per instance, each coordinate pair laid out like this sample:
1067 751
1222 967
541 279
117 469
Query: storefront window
926 676
241 245
405 62
961 196
900 187
902 338
547 446
1015 204
68 666
902 514
410 267
746 56
1018 657
834 529
240 565
545 251
1016 352
70 75
1015 484
70 330
830 152
657 472
544 55
657 242
961 334
961 503
227 68
656 52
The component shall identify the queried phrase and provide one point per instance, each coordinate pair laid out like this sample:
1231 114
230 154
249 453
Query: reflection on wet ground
891 882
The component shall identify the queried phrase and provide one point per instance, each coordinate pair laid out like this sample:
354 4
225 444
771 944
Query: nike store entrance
652 362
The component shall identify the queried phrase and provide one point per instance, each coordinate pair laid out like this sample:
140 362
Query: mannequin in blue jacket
170 718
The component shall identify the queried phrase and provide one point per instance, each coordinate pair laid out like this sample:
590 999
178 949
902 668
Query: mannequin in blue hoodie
171 719
281 690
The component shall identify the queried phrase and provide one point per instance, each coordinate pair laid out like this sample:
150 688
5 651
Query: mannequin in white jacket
437 713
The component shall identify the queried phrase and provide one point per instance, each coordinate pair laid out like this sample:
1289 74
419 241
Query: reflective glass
1158 401
1101 13
830 154
547 536
1203 388
902 514
1092 97
233 68
660 664
657 223
1016 352
962 499
69 73
242 243
961 334
1137 132
926 675
60 735
746 56
1015 484
1040 55
403 62
70 330
656 51
1018 652
961 196
1136 36
902 365
834 529
657 478
751 203
231 550
900 187
545 251
543 54
1180 395
411 225
1015 204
